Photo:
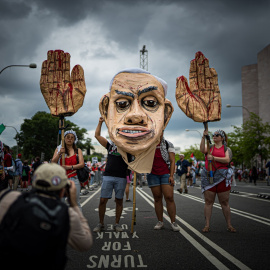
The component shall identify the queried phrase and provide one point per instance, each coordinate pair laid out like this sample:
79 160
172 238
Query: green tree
196 152
245 140
39 134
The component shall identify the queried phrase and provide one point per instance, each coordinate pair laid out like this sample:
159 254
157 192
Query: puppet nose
136 116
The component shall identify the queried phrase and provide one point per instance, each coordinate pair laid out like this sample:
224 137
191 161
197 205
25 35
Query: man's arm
100 139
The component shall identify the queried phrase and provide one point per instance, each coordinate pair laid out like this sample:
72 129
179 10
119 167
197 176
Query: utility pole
144 58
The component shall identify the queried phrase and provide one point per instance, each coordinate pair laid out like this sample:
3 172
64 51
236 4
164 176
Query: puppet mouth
133 132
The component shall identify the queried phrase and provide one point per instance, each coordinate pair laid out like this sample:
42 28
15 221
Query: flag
2 128
193 158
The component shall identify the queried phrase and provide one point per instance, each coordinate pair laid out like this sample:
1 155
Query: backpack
35 225
24 171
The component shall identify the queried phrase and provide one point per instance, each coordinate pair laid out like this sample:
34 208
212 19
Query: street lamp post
194 130
32 65
17 133
229 106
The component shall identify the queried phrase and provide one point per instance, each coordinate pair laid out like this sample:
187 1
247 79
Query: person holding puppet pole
220 156
70 151
114 178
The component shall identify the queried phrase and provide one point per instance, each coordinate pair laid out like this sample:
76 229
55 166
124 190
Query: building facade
256 86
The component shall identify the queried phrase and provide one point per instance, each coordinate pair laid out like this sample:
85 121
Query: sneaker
175 227
180 190
128 200
118 228
159 226
98 228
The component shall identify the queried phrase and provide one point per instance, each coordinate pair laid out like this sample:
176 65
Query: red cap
19 155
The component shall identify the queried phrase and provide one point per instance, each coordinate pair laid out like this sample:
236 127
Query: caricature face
135 116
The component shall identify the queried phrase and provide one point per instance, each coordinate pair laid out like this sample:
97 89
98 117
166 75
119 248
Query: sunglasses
216 135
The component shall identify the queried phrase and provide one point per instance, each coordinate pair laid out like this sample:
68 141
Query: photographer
40 224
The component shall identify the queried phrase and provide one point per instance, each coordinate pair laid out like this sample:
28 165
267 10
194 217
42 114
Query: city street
146 248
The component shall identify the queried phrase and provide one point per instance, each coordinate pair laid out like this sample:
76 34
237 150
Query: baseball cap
50 177
181 155
19 155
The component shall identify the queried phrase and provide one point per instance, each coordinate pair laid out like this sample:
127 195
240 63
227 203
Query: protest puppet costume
136 112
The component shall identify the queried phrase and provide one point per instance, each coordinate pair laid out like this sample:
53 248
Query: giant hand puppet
63 92
136 112
201 100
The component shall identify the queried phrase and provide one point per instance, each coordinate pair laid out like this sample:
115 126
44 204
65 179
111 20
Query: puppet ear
168 110
104 105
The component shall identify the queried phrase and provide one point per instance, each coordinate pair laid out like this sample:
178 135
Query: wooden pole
208 151
61 125
133 222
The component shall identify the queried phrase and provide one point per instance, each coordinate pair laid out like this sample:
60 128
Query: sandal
206 229
231 229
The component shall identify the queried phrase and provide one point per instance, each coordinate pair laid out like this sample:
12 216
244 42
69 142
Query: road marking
90 197
196 244
260 219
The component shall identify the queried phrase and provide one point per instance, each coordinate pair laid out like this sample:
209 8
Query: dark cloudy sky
106 36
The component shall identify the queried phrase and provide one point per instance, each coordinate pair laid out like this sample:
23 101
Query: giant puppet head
136 110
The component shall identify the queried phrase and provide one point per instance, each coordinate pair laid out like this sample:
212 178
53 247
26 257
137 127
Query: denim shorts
111 183
157 180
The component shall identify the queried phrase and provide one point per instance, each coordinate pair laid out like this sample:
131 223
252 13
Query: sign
2 128
94 160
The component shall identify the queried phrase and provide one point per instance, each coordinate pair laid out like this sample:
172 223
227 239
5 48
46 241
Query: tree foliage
196 152
40 135
249 140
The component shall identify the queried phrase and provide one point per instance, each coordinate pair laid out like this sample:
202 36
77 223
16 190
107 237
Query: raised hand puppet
64 94
201 100
136 112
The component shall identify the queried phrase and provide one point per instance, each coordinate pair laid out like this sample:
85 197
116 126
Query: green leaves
39 134
250 140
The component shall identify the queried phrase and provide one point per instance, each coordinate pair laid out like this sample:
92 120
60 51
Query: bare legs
223 198
102 209
167 192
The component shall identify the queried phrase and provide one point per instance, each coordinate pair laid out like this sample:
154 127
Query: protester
114 178
129 178
161 182
268 175
183 171
254 175
25 175
8 166
3 185
192 175
36 163
94 174
34 241
71 165
219 156
18 172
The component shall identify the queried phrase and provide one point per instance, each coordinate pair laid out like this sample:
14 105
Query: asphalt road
146 248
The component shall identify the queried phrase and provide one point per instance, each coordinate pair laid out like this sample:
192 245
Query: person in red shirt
70 150
220 157
161 182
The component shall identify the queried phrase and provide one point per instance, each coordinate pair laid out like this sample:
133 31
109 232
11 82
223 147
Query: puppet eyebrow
150 88
124 93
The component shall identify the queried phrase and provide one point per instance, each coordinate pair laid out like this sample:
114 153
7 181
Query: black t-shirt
35 165
115 165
